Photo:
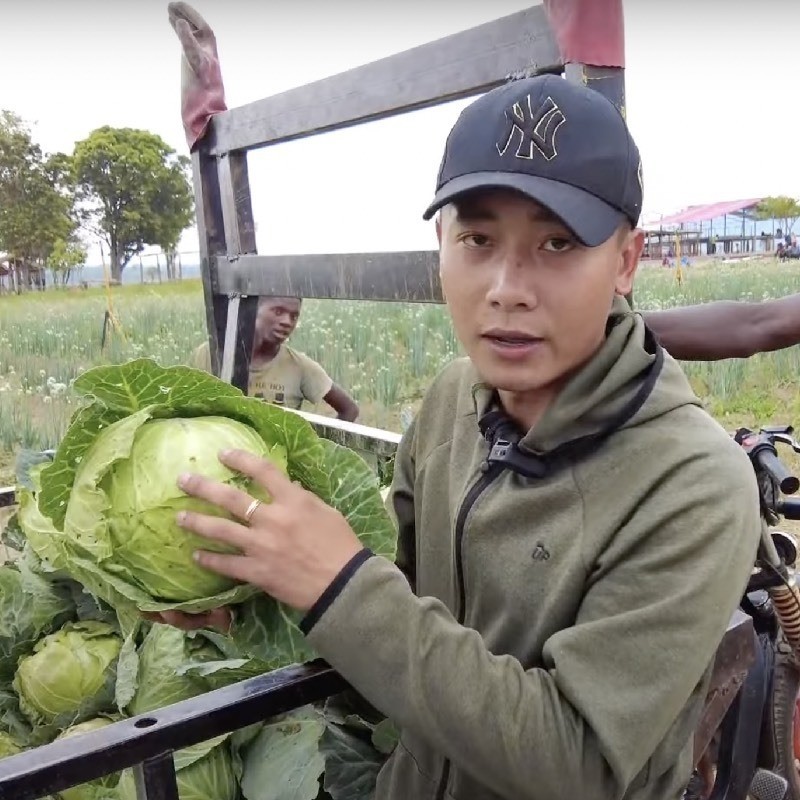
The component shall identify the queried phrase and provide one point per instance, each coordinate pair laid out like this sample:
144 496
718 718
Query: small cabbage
93 789
211 777
71 674
149 549
7 746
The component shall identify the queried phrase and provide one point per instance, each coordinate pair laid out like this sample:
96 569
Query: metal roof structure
709 211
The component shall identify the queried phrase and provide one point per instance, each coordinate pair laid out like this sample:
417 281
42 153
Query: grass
385 353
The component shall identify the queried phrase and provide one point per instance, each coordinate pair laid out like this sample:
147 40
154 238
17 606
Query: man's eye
475 240
558 244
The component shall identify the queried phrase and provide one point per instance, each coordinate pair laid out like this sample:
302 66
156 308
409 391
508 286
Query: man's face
529 303
276 319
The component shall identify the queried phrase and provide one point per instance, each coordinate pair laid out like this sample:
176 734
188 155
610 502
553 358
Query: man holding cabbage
574 530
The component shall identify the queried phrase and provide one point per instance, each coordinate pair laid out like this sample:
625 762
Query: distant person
280 374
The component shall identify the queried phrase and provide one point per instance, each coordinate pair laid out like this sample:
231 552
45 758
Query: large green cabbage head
71 674
147 546
97 789
103 511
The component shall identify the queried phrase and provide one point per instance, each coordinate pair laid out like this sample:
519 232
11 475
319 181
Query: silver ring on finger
251 509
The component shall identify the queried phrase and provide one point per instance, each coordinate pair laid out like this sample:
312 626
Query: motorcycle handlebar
770 462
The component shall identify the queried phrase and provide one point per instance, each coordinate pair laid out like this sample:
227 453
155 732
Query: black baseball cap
559 143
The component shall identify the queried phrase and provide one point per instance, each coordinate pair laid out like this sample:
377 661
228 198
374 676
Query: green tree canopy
784 209
134 189
36 195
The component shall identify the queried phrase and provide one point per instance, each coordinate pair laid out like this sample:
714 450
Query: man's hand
292 548
202 91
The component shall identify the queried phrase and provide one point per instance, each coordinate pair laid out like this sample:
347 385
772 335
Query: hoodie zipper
490 472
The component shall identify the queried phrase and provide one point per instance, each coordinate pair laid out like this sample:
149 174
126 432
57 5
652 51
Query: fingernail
225 453
196 555
183 479
181 517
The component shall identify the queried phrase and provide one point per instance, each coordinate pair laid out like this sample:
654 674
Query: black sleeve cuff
334 590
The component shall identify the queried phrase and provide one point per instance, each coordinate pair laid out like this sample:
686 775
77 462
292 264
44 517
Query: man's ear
629 257
439 240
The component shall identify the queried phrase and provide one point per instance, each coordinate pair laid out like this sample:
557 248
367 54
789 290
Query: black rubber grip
772 464
789 509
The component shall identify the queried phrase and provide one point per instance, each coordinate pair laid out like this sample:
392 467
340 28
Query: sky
712 96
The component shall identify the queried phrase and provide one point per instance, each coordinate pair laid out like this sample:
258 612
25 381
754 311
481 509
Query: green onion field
384 353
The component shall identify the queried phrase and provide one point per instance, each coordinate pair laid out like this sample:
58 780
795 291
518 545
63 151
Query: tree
175 208
784 209
65 257
36 200
134 190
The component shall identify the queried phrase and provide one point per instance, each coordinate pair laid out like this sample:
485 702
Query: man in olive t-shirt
280 374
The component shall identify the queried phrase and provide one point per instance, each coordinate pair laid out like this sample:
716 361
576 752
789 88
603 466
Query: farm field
385 354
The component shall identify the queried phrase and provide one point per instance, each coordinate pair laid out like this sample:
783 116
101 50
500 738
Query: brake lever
785 438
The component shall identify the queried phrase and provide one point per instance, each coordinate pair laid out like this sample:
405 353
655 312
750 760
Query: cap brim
591 219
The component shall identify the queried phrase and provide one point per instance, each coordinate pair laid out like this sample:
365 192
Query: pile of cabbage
94 544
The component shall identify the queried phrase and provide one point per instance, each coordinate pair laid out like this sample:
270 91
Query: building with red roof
729 227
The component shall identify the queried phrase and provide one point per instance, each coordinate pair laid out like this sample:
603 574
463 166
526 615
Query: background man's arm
317 385
727 329
342 403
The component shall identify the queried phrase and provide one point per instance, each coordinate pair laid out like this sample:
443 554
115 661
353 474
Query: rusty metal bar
454 67
240 238
211 235
231 338
734 657
230 223
237 210
608 81
409 277
736 653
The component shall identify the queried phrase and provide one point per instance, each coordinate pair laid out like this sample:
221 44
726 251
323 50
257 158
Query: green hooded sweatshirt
551 637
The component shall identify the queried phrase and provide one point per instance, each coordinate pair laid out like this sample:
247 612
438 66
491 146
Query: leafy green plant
73 521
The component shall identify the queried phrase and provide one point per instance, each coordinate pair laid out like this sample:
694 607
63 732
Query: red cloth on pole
588 31
202 90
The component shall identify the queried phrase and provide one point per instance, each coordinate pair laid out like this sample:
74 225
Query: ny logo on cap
535 132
